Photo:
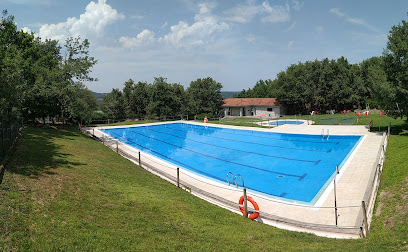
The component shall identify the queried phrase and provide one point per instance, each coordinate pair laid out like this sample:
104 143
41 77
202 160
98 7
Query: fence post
117 146
362 232
245 204
335 200
139 160
178 177
365 217
11 132
2 138
389 130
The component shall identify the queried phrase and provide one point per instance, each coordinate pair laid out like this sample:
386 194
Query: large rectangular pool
295 167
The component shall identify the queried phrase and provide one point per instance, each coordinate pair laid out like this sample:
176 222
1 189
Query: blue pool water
282 122
294 167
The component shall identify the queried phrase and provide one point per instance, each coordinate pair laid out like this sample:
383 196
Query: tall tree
113 104
396 65
163 98
204 96
75 68
137 98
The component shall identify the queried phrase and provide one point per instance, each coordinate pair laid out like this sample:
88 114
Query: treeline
163 99
40 79
380 82
323 85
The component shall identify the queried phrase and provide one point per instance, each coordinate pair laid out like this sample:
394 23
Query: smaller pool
282 122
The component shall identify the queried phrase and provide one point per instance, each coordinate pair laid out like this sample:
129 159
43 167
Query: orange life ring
205 120
250 199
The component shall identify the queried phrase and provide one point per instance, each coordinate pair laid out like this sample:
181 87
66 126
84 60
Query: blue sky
235 42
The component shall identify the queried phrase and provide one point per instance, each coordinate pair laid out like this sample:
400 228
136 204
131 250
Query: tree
396 65
377 89
75 68
11 65
163 98
204 96
137 98
36 80
113 104
84 104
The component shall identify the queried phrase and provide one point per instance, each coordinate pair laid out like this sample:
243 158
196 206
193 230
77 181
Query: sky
236 42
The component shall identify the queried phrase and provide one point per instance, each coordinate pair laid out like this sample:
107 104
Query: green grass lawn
64 191
379 123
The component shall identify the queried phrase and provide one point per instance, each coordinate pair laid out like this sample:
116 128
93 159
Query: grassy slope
64 191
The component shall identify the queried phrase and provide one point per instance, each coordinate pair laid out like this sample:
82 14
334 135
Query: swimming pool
282 122
293 167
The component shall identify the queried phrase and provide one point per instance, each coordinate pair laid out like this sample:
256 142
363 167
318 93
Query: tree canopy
396 65
163 99
37 81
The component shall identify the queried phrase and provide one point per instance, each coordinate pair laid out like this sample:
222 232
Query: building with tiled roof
252 107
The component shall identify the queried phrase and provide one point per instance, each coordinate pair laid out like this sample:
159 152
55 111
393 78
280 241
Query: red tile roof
241 102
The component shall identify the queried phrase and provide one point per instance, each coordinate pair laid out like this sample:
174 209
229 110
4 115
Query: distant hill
228 94
99 96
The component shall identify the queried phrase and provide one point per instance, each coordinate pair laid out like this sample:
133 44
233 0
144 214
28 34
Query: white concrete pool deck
351 185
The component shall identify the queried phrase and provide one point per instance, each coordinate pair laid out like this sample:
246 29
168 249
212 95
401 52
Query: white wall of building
253 111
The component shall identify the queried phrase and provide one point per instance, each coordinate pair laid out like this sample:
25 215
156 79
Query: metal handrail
232 177
235 180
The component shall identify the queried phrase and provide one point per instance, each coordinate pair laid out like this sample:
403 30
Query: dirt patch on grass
396 201
382 197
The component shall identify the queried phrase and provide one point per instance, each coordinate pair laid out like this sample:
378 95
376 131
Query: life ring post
245 204
178 177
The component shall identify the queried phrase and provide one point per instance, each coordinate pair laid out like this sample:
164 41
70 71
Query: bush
203 115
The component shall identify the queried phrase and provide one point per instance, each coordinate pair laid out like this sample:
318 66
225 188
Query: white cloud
164 25
242 13
291 27
200 32
276 13
290 44
250 38
297 5
144 38
26 30
358 21
272 14
353 20
337 12
136 17
91 23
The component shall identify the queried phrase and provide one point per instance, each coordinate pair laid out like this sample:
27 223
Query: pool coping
290 217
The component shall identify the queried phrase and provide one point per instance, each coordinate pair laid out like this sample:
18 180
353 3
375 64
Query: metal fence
144 119
10 125
372 190
335 120
213 193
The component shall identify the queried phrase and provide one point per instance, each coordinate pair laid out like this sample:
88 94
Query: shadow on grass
400 129
36 151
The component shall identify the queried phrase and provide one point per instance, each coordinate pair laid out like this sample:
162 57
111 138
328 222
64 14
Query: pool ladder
235 179
325 136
